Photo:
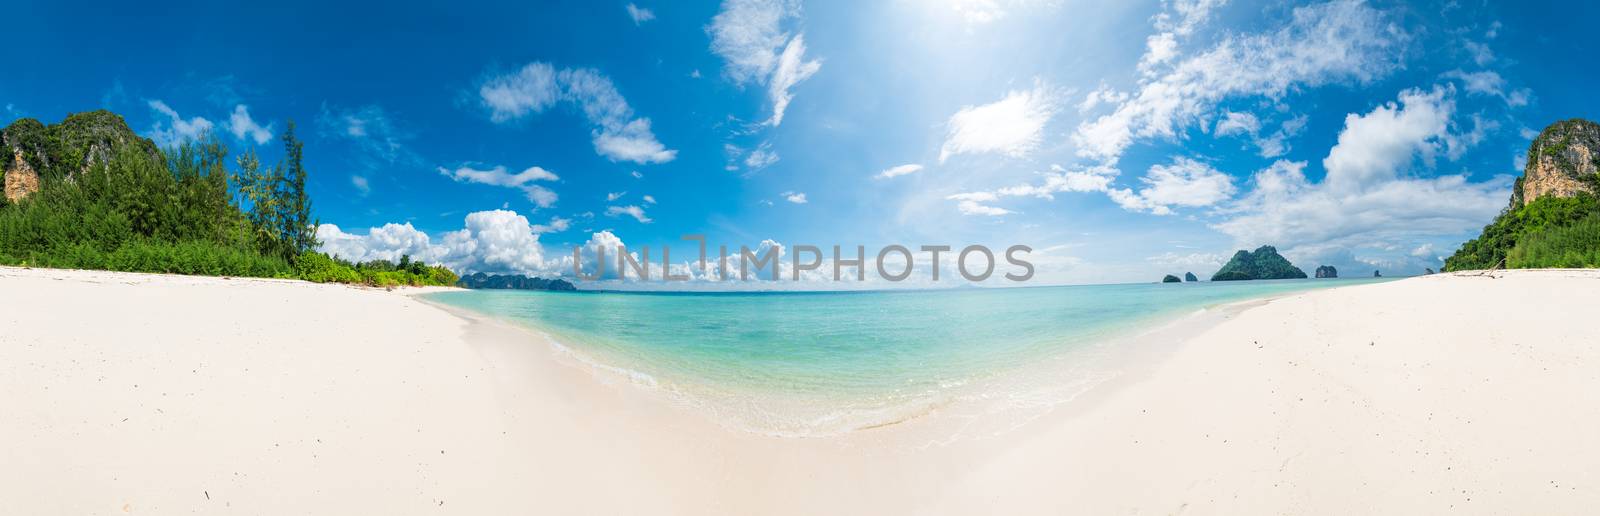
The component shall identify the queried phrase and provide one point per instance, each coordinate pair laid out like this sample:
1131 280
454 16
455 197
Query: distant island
1264 263
1171 279
480 280
1553 219
1189 276
1327 271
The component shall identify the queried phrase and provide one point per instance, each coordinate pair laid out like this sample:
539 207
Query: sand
151 394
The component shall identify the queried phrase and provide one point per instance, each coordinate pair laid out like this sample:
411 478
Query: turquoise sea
816 363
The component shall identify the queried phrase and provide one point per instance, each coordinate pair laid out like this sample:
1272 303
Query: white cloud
649 199
170 129
537 86
556 225
1057 180
496 241
1233 123
498 176
1488 82
1370 198
1246 124
1424 251
631 210
760 158
1012 126
973 207
1481 54
640 14
1159 48
1375 146
792 68
1102 95
1194 260
794 197
1336 41
983 12
361 184
1185 182
242 126
900 170
1186 15
612 196
749 36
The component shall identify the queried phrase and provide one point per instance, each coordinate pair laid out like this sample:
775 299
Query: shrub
1572 246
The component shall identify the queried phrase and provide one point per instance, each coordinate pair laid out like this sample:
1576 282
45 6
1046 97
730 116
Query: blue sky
1121 142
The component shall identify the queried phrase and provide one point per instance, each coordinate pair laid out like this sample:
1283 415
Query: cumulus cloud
899 170
496 241
612 196
617 134
1342 40
171 129
498 176
794 197
1185 182
649 199
631 210
639 15
1370 198
1375 146
244 127
1012 126
749 37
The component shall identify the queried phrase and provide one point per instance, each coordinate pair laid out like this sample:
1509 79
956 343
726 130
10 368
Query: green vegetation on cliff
1576 245
88 193
1264 263
1517 224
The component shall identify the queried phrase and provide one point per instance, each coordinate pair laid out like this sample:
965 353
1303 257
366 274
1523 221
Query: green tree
299 229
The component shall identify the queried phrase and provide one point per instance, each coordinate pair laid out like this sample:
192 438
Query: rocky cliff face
32 154
1327 271
1562 161
20 179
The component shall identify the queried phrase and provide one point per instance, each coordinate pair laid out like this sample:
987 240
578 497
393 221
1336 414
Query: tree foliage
1516 224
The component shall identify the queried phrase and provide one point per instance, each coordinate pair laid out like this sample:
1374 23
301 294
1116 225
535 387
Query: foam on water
811 364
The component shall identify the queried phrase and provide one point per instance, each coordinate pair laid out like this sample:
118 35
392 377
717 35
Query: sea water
821 363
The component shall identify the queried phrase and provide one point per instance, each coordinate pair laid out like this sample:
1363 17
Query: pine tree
299 229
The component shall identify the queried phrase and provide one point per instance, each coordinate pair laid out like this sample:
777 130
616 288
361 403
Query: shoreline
1432 394
1128 351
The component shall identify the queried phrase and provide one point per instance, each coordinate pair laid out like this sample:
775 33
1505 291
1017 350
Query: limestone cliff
1562 161
33 154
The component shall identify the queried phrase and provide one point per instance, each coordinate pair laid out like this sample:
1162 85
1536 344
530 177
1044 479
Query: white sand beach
150 394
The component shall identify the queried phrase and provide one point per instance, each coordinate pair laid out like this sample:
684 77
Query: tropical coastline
769 257
443 414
